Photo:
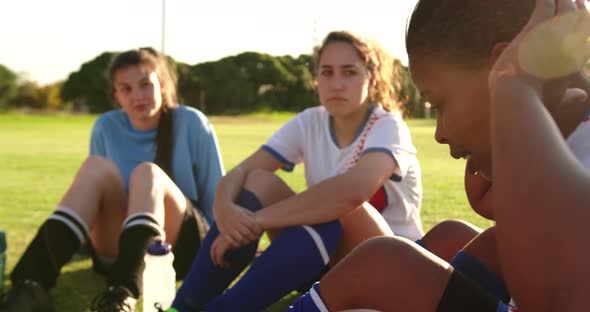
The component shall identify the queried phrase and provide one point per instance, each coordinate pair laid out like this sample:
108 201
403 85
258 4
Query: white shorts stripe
317 300
71 225
319 243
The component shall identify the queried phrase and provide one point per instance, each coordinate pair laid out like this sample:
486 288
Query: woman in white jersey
513 98
363 181
152 172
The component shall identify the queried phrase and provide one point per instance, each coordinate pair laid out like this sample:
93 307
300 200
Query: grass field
39 156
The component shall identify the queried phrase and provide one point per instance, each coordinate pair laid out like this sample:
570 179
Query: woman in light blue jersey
152 172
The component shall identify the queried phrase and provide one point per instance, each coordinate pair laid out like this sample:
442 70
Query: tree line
243 83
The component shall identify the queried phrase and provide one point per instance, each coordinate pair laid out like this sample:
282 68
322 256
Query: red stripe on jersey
379 199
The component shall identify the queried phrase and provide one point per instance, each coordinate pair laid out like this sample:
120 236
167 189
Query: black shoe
26 296
114 299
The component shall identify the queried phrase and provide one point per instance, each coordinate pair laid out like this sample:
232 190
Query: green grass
39 156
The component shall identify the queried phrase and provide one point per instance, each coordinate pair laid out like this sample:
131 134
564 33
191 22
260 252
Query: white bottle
159 278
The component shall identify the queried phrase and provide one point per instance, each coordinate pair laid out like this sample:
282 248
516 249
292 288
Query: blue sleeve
209 168
97 147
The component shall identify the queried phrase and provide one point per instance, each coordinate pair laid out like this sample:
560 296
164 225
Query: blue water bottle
2 257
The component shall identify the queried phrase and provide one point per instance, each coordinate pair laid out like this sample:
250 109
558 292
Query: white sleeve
392 136
286 144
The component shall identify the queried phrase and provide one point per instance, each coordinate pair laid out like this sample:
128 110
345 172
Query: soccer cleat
114 299
26 296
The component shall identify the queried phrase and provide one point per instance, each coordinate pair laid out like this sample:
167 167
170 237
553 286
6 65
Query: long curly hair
379 64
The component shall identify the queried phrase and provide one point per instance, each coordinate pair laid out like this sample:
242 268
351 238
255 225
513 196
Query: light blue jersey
197 164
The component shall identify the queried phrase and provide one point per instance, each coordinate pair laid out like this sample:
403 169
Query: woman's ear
372 80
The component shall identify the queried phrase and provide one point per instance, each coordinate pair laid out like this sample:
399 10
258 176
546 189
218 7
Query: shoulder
109 118
313 114
389 120
190 116
189 113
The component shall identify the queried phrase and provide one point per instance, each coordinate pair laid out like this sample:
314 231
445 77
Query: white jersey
309 138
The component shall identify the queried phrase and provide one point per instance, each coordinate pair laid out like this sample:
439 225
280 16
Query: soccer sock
471 267
311 301
60 236
420 243
296 256
138 230
205 281
464 294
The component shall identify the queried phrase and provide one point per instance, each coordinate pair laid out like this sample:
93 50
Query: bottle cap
158 248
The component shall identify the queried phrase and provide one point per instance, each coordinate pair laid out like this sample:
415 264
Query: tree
89 87
236 84
407 92
249 82
8 85
27 95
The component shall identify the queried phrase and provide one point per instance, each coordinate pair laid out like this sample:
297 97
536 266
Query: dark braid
165 142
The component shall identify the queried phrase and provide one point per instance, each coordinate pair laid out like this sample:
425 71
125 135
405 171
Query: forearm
324 202
228 189
523 130
536 179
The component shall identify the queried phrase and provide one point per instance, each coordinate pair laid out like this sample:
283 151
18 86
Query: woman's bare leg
386 274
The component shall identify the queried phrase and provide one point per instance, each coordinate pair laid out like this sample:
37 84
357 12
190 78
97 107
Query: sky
46 40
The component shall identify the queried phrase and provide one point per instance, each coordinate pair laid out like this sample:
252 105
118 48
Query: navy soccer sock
471 267
206 281
311 301
297 255
420 243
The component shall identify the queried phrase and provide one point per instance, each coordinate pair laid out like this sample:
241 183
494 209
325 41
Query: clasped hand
237 227
549 53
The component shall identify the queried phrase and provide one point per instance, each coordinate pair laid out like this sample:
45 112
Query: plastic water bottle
159 278
2 257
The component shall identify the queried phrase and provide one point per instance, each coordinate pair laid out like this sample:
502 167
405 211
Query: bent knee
455 226
99 167
453 230
145 172
260 178
268 187
385 251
